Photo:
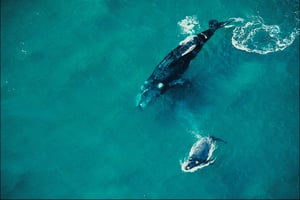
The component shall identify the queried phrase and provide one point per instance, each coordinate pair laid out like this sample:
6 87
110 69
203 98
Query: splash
189 25
255 36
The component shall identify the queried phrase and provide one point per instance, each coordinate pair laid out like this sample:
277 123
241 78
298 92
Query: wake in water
253 35
186 117
250 34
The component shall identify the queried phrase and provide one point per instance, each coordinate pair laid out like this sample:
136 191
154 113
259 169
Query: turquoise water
70 73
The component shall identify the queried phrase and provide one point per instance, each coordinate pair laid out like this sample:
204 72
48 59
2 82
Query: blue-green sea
70 73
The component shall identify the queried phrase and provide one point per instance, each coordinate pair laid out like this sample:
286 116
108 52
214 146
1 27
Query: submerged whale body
168 72
200 154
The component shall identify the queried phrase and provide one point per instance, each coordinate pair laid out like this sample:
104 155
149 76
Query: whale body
200 154
169 71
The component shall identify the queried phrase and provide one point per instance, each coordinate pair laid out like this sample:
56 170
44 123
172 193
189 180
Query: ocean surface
70 73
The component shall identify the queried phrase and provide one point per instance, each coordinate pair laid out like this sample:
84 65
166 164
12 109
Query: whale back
200 150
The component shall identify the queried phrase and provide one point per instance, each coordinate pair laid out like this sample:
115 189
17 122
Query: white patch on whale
160 85
191 48
187 40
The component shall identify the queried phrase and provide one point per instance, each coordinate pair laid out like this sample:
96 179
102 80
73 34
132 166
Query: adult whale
200 154
168 72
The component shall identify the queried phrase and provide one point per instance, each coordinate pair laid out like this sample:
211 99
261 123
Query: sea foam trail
187 118
253 35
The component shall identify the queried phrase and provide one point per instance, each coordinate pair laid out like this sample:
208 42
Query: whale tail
215 24
217 139
222 24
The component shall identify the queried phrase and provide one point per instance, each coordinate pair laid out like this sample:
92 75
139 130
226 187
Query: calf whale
169 71
200 154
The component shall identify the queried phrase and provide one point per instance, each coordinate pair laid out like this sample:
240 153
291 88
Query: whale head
192 163
149 91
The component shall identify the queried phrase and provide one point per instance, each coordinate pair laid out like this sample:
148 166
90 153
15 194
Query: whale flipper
217 139
180 81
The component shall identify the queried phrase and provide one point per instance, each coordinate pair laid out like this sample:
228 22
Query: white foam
253 35
189 25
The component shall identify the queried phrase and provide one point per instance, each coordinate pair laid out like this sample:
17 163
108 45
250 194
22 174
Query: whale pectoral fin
178 82
217 139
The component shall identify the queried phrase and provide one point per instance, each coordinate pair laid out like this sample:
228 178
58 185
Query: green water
70 72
